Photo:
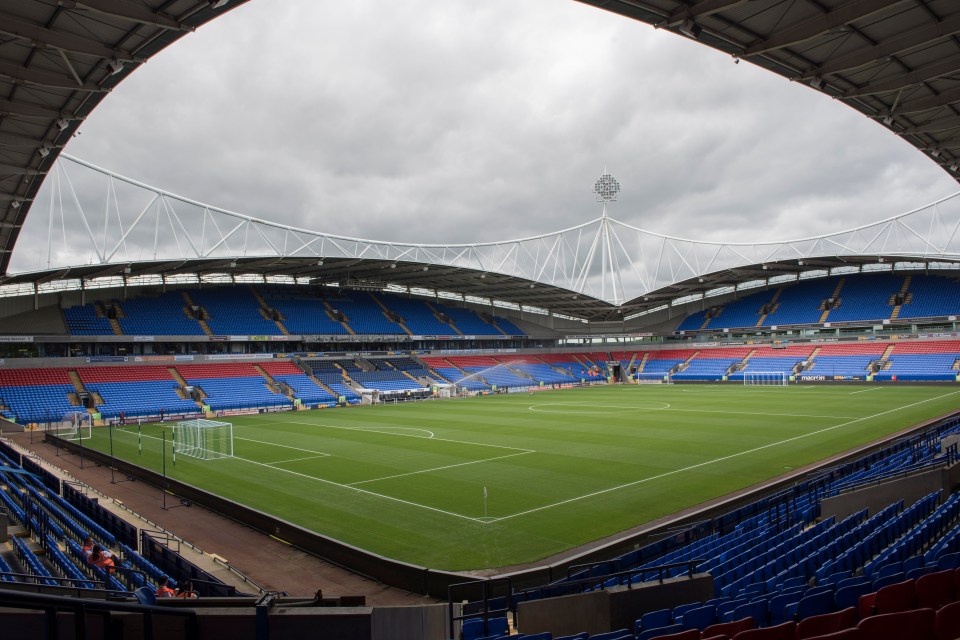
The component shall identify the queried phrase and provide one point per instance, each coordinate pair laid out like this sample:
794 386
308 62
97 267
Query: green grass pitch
560 468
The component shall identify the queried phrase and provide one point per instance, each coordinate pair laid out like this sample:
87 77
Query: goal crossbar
765 378
203 439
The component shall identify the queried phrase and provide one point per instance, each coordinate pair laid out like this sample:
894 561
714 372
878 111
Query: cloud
462 122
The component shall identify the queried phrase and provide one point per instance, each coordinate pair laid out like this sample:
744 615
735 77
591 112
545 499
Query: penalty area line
364 491
449 466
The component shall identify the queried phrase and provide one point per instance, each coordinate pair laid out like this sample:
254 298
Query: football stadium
598 433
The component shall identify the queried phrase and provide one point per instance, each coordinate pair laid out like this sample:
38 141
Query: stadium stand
54 529
232 386
302 311
784 360
931 296
86 320
36 395
136 391
801 303
332 376
233 311
269 309
866 297
303 387
850 360
163 314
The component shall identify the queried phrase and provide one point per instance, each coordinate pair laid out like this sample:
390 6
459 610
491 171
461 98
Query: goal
203 439
765 378
74 425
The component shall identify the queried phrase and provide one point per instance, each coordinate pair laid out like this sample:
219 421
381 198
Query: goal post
74 425
765 379
203 439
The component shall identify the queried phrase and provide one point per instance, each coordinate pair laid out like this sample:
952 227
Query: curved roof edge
58 62
602 268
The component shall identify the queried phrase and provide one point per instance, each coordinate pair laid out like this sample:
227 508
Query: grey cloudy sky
454 121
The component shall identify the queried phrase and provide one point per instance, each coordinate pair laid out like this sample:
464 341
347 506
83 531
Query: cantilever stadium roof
58 60
897 61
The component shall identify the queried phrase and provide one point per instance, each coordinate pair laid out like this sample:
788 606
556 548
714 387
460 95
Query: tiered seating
161 315
135 391
37 395
661 362
491 370
536 369
233 311
365 316
408 365
934 360
469 322
232 386
83 321
385 380
329 374
863 297
800 303
739 313
866 297
417 316
60 528
768 359
508 327
454 375
303 313
932 296
308 391
577 369
845 359
712 364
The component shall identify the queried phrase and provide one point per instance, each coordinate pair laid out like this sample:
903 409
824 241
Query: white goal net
765 378
74 425
203 439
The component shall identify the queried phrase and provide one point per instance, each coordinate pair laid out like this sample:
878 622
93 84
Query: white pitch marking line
285 446
343 486
370 493
722 459
449 466
600 409
864 390
325 455
406 435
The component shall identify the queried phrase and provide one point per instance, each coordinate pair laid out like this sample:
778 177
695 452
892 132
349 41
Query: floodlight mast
606 187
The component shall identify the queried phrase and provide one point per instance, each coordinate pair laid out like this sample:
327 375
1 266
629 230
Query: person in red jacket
103 559
185 590
163 588
87 549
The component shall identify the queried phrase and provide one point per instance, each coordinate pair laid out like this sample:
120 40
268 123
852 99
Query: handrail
50 605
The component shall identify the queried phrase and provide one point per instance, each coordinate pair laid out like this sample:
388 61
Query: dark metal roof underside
58 60
895 61
378 274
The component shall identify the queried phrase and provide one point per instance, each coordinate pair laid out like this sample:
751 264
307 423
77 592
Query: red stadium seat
894 598
846 634
728 628
947 623
783 631
827 623
935 590
916 624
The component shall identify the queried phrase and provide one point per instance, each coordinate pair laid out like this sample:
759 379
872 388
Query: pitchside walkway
215 543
